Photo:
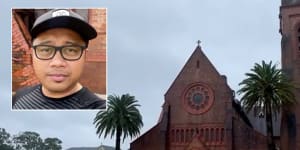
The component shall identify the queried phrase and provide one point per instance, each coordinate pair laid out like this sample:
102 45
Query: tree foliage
266 85
122 118
268 88
5 142
27 141
52 144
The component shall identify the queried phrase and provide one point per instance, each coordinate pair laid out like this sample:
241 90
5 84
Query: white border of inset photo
23 73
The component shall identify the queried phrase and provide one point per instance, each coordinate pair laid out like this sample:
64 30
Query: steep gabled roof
197 59
241 112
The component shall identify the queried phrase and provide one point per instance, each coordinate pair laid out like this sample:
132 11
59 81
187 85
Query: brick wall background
22 71
94 75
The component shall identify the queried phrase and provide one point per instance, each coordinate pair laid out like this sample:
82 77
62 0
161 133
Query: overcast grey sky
148 44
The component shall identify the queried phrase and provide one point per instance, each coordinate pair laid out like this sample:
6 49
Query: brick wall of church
94 75
290 43
245 137
209 135
153 139
206 130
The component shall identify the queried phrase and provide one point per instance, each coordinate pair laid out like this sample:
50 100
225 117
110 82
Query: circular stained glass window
197 98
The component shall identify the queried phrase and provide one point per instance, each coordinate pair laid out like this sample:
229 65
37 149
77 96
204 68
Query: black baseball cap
63 18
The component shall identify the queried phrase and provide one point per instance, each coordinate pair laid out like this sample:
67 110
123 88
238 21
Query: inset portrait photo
59 59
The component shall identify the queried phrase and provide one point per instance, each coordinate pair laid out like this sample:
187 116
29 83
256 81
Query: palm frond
266 84
121 112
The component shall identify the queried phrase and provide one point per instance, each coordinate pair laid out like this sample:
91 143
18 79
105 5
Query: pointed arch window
298 39
206 134
192 133
202 133
187 135
212 135
177 136
217 135
222 134
173 135
181 135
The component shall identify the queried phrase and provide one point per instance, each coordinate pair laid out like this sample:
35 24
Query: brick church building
94 75
290 56
200 111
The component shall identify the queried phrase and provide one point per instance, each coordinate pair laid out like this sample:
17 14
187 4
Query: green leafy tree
266 87
122 118
28 141
5 142
52 144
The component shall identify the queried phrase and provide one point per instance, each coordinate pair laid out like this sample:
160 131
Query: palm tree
266 87
121 118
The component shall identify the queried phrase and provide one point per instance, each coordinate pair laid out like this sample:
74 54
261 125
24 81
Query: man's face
57 75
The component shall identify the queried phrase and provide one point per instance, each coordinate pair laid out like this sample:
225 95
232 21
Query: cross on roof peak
198 43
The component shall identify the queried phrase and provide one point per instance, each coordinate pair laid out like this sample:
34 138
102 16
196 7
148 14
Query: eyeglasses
47 52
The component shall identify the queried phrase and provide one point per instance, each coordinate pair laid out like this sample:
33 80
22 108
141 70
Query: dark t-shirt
33 98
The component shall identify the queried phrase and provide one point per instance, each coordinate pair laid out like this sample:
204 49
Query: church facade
201 113
290 56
